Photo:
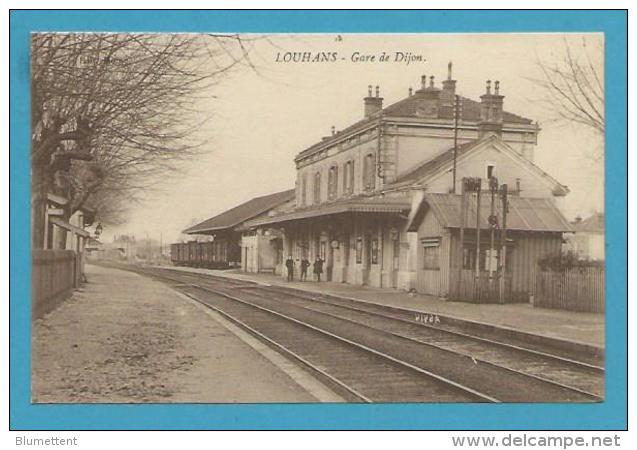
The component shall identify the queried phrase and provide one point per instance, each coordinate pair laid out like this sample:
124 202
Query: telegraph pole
457 114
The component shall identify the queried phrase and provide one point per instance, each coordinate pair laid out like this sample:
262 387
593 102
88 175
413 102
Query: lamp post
98 230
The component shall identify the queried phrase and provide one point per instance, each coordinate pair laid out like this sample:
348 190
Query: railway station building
368 198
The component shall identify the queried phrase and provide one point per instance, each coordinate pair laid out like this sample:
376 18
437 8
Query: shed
535 230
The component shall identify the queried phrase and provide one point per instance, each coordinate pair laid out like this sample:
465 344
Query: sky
261 118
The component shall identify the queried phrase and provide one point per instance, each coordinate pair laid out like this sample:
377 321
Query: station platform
580 329
125 338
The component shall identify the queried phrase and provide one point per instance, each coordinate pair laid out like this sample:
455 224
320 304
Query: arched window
332 182
369 175
317 187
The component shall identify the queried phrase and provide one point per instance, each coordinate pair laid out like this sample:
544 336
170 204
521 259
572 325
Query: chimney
449 85
429 98
373 104
333 130
411 92
491 111
448 94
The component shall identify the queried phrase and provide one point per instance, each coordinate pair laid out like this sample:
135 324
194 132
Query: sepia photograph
232 218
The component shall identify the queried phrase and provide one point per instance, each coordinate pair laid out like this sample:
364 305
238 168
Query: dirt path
124 338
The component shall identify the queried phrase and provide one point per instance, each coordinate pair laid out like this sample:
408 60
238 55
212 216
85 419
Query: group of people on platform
304 265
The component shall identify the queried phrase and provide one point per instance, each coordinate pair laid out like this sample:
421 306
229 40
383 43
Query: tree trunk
39 191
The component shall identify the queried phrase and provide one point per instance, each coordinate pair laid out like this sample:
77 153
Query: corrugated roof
360 205
248 210
408 107
525 214
594 224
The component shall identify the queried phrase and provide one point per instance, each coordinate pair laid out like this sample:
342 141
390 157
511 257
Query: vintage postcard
221 218
317 218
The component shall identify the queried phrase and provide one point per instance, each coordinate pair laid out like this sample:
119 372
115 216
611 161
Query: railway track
371 354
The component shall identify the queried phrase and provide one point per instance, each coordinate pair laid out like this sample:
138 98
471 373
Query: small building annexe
588 240
534 230
376 201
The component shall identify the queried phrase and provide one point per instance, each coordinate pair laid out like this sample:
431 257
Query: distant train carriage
190 258
218 254
179 254
205 254
174 254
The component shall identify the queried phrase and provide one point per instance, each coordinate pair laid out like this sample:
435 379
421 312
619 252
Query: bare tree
113 114
572 84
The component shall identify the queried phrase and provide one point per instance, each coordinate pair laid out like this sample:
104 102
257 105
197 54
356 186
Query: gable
428 225
509 168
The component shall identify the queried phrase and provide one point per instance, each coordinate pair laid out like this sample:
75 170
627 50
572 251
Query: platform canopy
376 205
68 227
233 217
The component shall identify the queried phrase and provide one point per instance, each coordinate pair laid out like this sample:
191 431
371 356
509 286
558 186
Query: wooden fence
575 289
482 289
54 275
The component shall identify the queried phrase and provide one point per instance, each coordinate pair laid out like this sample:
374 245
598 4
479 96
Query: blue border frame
612 414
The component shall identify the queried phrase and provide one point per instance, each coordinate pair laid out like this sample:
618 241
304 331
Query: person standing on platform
304 265
289 264
318 268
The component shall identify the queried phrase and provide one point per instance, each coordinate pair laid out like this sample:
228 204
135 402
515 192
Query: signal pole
463 218
493 221
478 192
503 238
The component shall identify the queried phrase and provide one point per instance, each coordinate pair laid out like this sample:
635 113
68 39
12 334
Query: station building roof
239 214
408 108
